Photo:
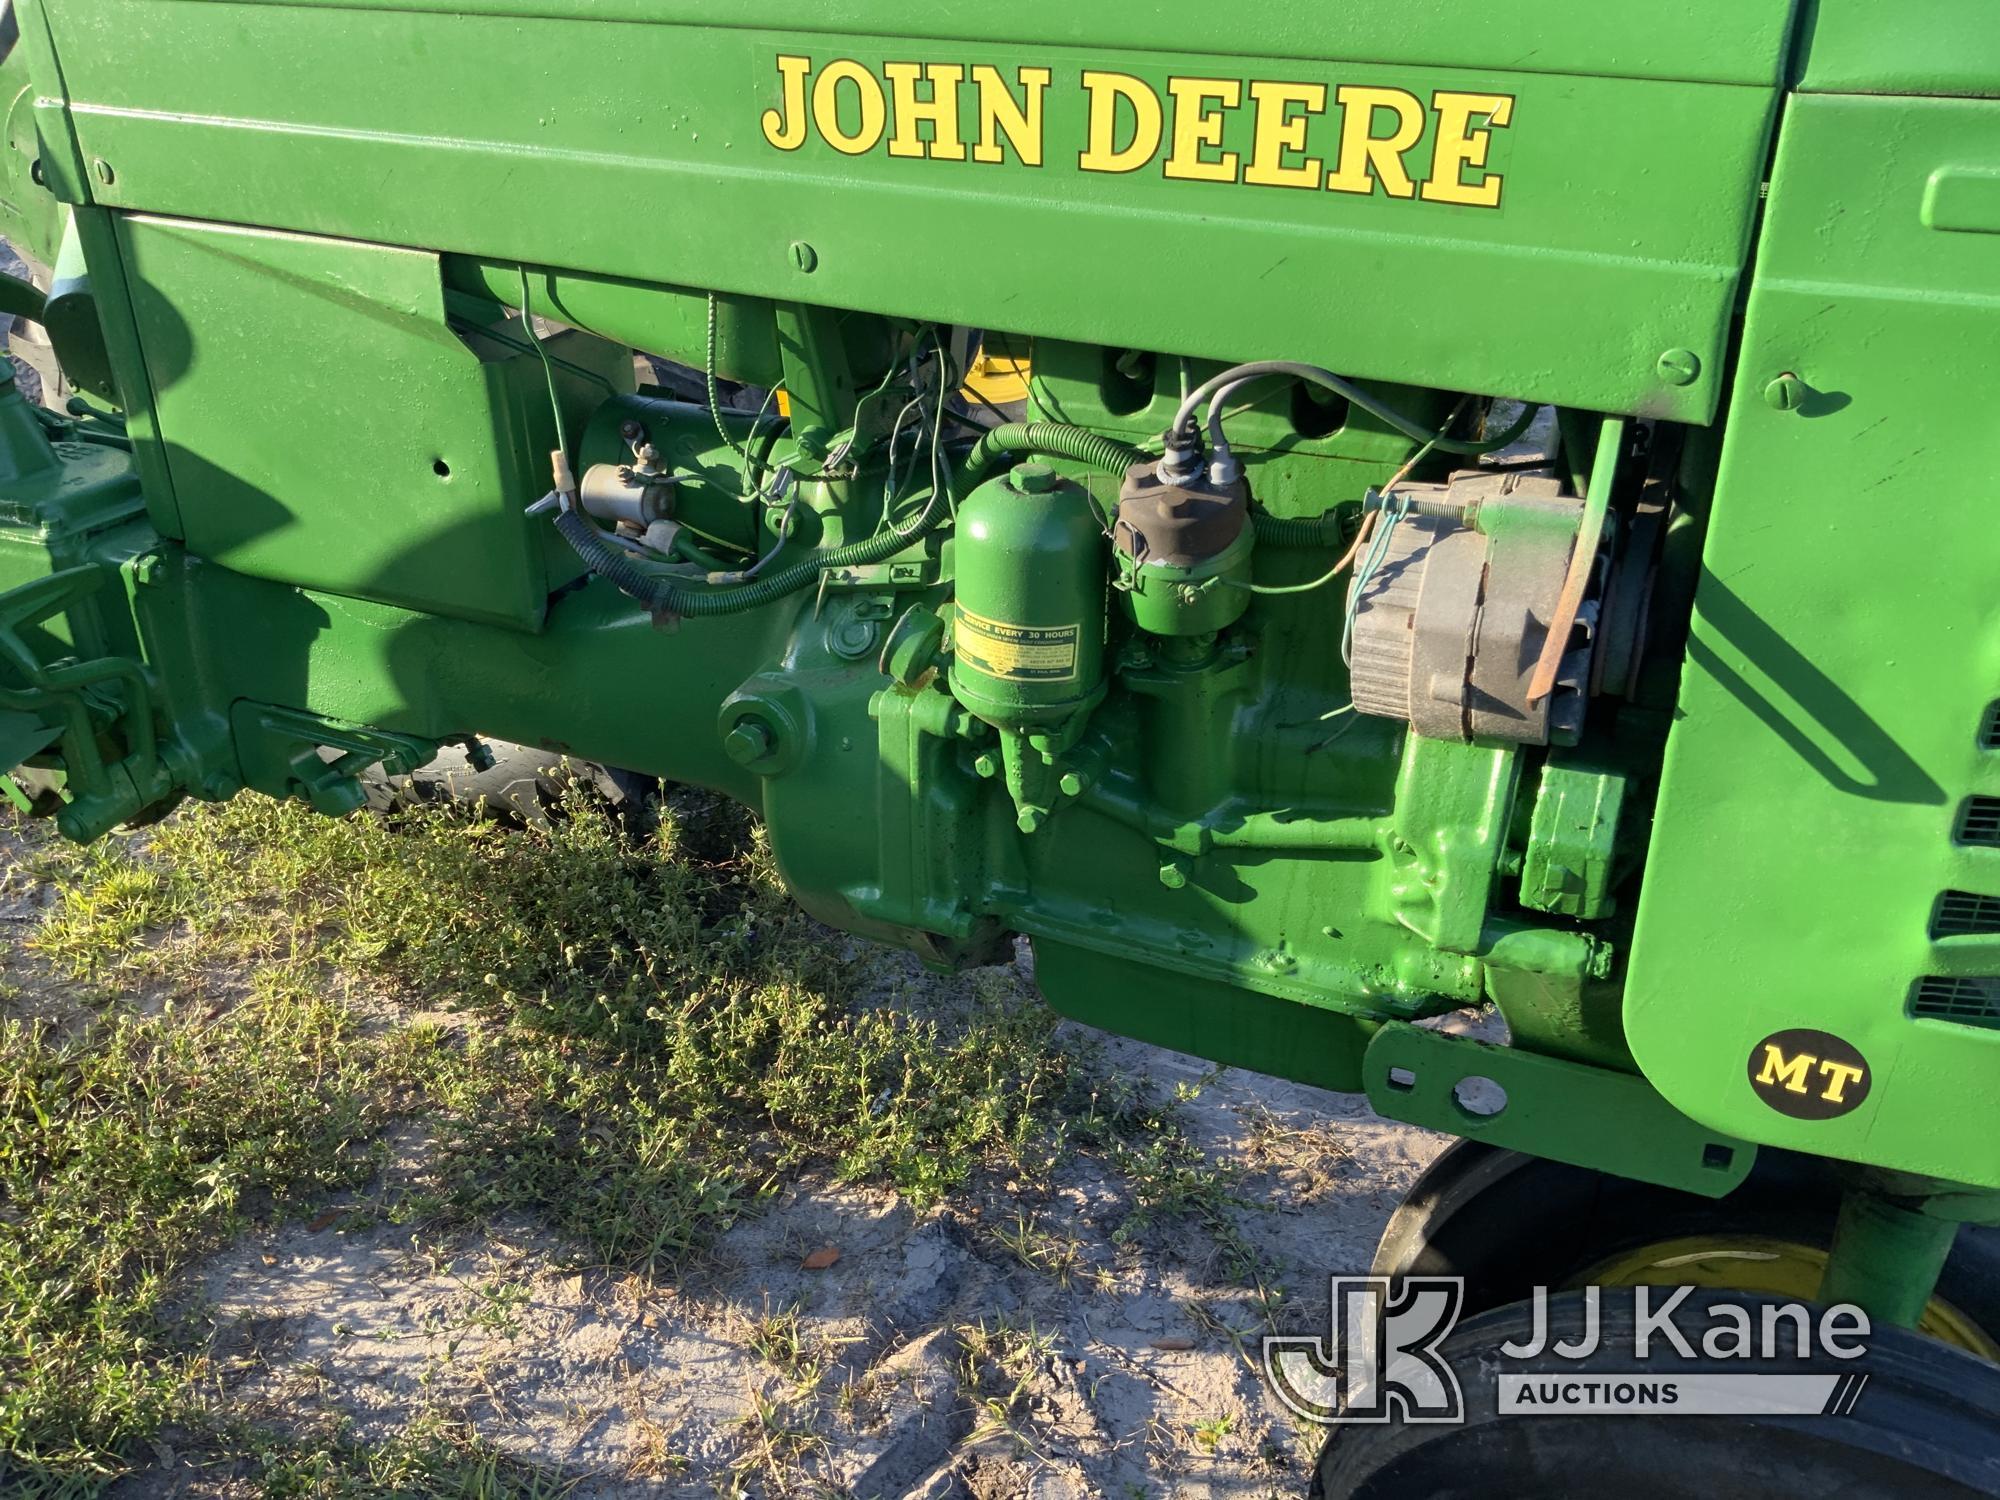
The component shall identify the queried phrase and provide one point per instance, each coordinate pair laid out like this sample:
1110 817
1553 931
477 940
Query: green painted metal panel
1548 1106
1912 47
371 451
1844 658
1710 41
1236 1028
639 150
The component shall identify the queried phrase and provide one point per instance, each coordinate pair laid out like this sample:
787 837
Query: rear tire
523 785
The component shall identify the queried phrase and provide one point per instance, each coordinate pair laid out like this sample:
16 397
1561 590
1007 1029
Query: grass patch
657 1013
431 1459
631 1039
123 1154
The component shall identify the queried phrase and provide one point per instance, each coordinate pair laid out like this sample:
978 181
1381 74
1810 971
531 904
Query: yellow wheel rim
1772 1267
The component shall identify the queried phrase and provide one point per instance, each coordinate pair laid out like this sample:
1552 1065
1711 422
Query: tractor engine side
1455 544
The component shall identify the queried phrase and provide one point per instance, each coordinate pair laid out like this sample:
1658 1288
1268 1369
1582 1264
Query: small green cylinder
1194 599
1028 626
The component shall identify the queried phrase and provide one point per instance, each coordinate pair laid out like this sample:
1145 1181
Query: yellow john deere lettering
1357 139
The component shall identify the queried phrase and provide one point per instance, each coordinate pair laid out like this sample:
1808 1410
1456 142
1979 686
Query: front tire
1509 1223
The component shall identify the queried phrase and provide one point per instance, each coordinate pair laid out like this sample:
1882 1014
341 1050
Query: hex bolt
987 764
853 638
1031 819
1786 393
805 257
1071 784
631 430
1036 479
750 741
1680 367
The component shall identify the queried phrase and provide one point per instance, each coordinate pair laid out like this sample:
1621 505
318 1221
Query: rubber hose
1284 532
605 560
1049 440
665 596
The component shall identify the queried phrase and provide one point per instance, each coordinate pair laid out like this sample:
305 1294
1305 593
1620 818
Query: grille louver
1979 822
1968 1002
1965 914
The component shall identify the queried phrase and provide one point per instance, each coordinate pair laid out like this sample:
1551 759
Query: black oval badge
1809 1075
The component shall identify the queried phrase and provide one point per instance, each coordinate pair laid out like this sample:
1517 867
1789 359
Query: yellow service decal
1361 139
1809 1075
1018 653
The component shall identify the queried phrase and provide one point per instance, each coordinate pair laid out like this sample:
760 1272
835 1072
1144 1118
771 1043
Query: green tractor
1494 523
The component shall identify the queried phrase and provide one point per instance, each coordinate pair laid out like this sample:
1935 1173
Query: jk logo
1379 1359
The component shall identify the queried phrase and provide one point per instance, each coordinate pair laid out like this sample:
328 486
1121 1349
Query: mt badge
1809 1075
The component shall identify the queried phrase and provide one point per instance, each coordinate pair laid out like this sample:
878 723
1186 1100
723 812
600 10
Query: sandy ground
929 1359
1141 1379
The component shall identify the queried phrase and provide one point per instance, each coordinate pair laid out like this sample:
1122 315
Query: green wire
548 368
1378 543
1269 589
949 378
715 403
1378 553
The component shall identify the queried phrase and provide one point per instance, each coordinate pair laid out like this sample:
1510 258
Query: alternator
1450 623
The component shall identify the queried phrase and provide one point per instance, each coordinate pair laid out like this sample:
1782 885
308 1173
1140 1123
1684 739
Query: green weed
632 1040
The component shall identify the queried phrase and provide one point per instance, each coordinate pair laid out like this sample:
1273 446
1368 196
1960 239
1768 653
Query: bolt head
104 173
1680 367
749 742
1071 784
1786 393
1174 875
1031 819
1036 479
805 257
853 638
987 764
